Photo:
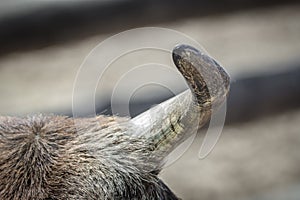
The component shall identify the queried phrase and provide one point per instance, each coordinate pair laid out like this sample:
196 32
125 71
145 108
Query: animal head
108 157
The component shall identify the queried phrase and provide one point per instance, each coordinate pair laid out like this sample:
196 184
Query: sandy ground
259 41
254 160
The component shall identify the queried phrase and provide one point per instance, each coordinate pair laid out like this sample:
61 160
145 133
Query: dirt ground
257 41
251 160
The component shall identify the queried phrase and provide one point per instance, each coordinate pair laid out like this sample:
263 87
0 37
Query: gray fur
57 157
53 157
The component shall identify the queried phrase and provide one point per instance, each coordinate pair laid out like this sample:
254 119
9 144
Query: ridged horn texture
170 123
106 158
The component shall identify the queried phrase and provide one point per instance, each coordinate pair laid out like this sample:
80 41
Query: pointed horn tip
200 62
189 53
184 47
182 51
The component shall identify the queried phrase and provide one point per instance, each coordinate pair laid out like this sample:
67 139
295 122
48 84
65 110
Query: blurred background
43 43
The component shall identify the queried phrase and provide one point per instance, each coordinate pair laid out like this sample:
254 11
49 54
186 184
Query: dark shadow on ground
250 98
50 24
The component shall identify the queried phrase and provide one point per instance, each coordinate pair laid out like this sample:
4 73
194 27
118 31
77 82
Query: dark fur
55 157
